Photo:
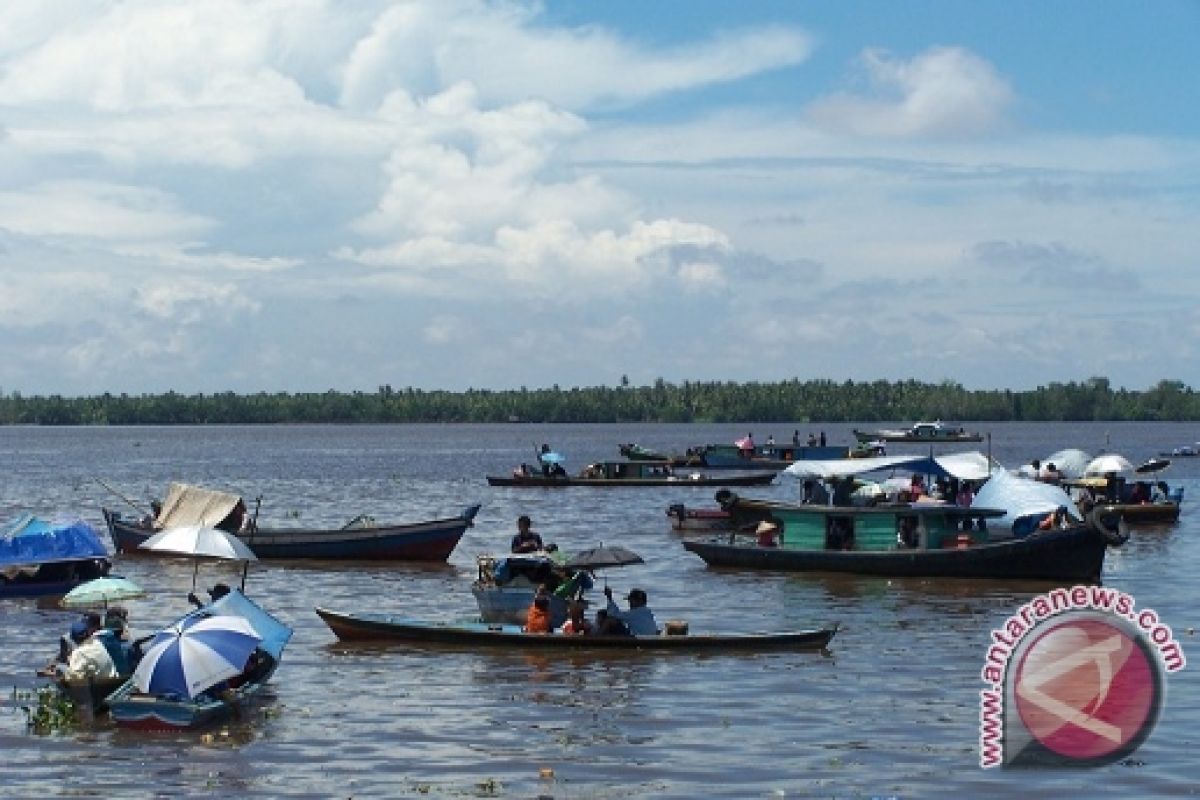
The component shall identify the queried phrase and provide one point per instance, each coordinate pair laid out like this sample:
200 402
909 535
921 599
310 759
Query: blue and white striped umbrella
196 654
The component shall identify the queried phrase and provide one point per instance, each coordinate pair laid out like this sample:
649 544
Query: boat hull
1134 513
551 482
155 715
54 580
421 541
698 520
384 627
1075 554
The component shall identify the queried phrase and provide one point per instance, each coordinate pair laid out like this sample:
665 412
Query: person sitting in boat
843 491
1140 493
526 540
966 495
537 619
218 591
79 632
814 493
574 586
1051 474
812 440
608 626
768 534
1160 493
639 618
908 535
1056 519
577 623
916 488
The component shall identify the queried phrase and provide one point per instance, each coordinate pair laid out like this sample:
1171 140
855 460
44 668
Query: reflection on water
890 709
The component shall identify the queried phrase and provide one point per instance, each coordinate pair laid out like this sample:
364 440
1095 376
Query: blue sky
310 195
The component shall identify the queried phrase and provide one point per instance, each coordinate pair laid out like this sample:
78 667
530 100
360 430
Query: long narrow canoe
385 627
433 540
694 479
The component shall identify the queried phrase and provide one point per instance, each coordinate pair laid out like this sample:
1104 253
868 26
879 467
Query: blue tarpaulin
30 540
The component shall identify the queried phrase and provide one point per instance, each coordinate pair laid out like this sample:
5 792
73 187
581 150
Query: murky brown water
891 709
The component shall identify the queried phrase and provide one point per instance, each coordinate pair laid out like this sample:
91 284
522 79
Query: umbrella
201 541
1154 465
196 654
198 540
1102 465
1070 462
101 591
602 557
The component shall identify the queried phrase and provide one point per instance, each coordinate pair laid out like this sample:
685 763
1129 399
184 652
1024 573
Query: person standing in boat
525 540
639 618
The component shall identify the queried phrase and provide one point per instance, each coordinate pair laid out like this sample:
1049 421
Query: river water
892 709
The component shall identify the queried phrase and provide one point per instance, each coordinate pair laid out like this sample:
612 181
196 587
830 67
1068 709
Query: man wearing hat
768 533
639 618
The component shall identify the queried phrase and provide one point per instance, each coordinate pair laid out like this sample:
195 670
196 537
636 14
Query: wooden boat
134 710
685 519
921 432
730 456
505 586
635 452
432 540
915 540
40 558
1117 496
385 627
91 692
631 473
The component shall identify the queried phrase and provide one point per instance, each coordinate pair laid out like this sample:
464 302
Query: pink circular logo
1088 689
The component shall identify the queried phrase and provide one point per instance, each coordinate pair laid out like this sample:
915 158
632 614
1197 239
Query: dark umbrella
1153 465
602 557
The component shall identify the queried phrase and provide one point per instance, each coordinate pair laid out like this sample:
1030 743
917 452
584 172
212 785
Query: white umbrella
198 540
1110 462
1071 462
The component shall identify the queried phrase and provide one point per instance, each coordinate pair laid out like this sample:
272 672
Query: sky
305 195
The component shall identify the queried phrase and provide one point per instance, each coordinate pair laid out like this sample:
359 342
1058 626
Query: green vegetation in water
811 401
47 710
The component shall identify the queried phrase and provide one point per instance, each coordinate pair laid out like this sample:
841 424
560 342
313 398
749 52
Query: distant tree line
699 401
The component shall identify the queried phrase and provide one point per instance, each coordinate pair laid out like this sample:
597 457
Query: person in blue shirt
639 619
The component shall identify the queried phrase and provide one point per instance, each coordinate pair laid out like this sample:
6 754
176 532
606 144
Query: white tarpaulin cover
190 505
971 466
1020 497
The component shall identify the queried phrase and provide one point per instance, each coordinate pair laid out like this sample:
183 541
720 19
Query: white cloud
99 210
195 184
191 302
942 91
444 329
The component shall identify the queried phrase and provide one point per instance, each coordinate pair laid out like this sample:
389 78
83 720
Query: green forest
714 401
